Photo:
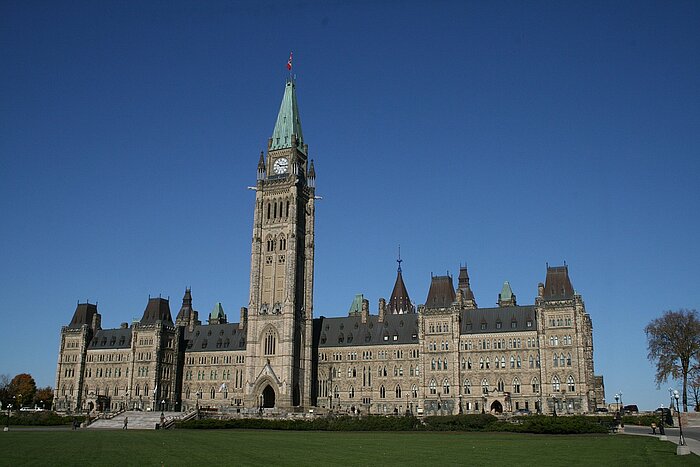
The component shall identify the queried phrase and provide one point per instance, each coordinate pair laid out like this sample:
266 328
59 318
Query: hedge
476 422
45 418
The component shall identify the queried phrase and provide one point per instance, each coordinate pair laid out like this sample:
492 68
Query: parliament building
446 356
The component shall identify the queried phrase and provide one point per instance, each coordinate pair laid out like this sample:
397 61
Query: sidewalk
671 435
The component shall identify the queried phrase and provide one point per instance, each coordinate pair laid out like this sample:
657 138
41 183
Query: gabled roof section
215 337
558 286
350 331
441 293
501 319
158 309
288 121
84 314
400 303
111 339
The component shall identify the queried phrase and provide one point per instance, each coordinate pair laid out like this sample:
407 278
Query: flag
222 387
289 62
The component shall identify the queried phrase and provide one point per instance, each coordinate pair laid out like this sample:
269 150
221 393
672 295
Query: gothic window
503 361
268 211
484 386
467 387
500 386
282 243
556 385
444 364
187 392
433 386
270 342
287 211
382 392
568 359
481 363
398 391
512 361
469 363
516 386
571 387
555 360
446 387
488 363
351 392
414 391
562 360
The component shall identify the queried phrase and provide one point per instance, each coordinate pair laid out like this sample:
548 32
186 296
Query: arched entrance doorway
496 407
268 397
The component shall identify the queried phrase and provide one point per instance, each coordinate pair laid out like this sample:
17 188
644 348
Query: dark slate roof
158 309
351 331
84 313
215 337
399 301
111 339
557 286
441 293
520 315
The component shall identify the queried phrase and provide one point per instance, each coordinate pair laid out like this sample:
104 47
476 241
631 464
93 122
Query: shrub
45 418
542 424
472 422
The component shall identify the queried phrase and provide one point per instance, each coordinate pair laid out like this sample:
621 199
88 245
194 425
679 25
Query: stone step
137 420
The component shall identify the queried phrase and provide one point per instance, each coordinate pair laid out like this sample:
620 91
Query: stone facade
447 356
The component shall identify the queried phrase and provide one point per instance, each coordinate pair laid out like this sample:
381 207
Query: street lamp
162 405
681 440
617 402
621 403
7 425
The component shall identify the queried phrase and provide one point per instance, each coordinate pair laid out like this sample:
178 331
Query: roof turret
158 309
558 286
217 315
441 293
506 297
400 302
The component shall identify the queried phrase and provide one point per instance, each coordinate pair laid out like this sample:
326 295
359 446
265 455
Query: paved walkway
672 435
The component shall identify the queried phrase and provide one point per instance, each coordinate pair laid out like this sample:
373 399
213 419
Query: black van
630 410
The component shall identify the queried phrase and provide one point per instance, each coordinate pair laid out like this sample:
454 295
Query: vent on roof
342 326
368 337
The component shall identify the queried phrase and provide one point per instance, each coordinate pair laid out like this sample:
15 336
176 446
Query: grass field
224 447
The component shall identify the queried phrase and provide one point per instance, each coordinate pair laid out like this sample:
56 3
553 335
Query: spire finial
399 260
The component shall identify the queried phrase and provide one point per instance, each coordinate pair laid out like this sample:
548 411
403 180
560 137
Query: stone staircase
137 420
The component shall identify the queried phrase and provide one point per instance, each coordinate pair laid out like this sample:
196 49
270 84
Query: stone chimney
382 309
365 310
244 317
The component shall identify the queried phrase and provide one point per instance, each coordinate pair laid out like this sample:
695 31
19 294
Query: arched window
187 392
282 243
213 393
512 361
518 362
481 363
398 391
532 362
414 391
500 385
469 363
562 360
351 392
516 386
571 386
535 385
270 342
555 360
556 385
433 386
484 386
382 392
467 387
444 364
138 390
503 361
446 387
568 359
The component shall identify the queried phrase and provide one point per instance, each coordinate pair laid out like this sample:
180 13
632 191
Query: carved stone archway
267 397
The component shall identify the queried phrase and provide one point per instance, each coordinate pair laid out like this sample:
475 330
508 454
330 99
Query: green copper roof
356 306
288 121
506 292
218 311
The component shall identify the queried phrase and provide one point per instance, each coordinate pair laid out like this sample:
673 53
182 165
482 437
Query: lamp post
162 405
681 440
7 425
621 403
617 403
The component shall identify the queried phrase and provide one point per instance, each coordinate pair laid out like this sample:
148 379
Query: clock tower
280 310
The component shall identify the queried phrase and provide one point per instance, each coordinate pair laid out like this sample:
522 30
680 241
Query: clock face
281 165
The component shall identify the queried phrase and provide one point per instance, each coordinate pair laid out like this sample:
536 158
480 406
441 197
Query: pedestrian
126 423
653 428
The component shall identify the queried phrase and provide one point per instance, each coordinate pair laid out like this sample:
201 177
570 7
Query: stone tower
280 311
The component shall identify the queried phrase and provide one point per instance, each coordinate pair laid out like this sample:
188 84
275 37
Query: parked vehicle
523 412
630 410
601 410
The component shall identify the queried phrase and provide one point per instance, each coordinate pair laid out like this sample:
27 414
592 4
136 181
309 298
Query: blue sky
503 135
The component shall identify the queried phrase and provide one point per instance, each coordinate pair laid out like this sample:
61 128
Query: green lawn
224 447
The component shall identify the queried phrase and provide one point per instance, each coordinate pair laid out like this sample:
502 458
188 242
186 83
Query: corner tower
279 326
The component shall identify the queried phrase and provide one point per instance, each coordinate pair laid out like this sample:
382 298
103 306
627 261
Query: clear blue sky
501 134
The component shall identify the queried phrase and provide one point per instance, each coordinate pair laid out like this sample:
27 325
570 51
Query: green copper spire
506 297
288 121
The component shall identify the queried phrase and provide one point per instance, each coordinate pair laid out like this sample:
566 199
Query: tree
44 397
5 396
673 342
22 388
695 387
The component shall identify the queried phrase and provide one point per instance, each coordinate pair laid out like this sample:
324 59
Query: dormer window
498 325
